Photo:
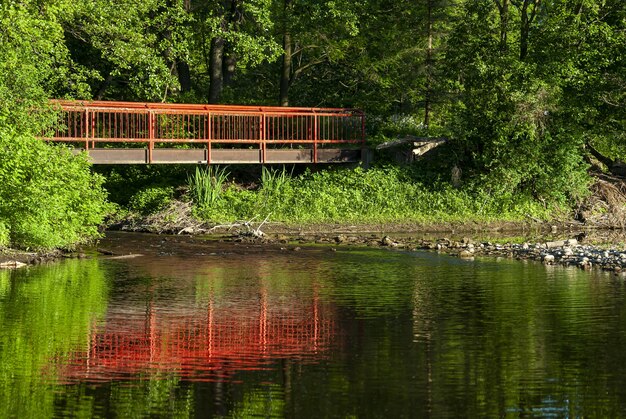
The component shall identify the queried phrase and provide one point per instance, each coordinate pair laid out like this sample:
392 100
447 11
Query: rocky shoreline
576 251
569 252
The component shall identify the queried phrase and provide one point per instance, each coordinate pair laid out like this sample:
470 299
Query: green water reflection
45 313
361 333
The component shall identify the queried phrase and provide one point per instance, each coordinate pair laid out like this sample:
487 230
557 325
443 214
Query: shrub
152 199
4 235
48 197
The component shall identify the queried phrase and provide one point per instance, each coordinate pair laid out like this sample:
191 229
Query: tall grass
273 181
377 195
206 185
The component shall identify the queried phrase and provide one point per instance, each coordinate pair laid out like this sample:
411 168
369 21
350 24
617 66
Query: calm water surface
210 330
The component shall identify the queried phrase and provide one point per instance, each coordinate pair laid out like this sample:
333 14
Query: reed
206 185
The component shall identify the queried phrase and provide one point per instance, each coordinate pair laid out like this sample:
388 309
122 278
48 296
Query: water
210 330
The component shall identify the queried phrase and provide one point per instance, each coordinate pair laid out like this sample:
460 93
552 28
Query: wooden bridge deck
155 133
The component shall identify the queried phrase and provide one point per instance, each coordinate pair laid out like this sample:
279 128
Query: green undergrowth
48 197
384 194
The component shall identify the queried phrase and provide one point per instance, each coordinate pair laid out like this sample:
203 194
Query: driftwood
421 145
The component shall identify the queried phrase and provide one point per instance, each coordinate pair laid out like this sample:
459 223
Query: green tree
48 197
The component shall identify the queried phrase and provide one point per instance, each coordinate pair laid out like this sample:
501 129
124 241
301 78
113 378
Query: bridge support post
315 137
263 137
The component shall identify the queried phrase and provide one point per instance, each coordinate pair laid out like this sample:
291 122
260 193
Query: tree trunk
285 75
230 59
184 76
503 9
216 74
104 86
429 66
523 42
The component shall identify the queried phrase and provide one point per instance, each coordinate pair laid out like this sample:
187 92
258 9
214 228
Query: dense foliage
531 93
48 197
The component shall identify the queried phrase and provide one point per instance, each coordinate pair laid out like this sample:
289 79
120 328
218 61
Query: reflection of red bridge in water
204 343
128 132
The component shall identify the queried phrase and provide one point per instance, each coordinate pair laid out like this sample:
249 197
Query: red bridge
133 133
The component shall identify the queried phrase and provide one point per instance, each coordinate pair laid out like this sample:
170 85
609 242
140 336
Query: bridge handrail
106 105
100 122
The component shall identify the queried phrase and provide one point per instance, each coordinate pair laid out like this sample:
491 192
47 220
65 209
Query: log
410 139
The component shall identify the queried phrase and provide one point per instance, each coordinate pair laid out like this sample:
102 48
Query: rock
297 249
340 239
548 259
12 264
387 241
130 256
553 229
525 246
464 254
571 242
187 230
552 245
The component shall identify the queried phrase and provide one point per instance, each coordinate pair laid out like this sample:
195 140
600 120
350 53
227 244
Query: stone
552 245
387 241
12 264
464 254
548 259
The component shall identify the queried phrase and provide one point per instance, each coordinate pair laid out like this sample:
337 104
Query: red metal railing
155 125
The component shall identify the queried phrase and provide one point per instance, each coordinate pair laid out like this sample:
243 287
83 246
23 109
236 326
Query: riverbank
567 244
584 249
13 258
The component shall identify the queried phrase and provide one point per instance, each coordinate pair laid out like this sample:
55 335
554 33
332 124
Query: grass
378 195
206 185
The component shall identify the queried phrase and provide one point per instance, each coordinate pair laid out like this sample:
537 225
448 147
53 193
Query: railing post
87 127
209 138
93 129
151 124
315 136
263 137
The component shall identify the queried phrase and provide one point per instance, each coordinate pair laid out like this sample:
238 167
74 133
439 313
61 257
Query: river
214 329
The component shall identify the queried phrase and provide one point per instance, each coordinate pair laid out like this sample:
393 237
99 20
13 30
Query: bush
4 235
48 197
152 199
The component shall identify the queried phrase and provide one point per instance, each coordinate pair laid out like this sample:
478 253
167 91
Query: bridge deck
151 133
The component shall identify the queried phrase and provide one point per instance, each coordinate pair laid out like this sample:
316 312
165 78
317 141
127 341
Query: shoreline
567 244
